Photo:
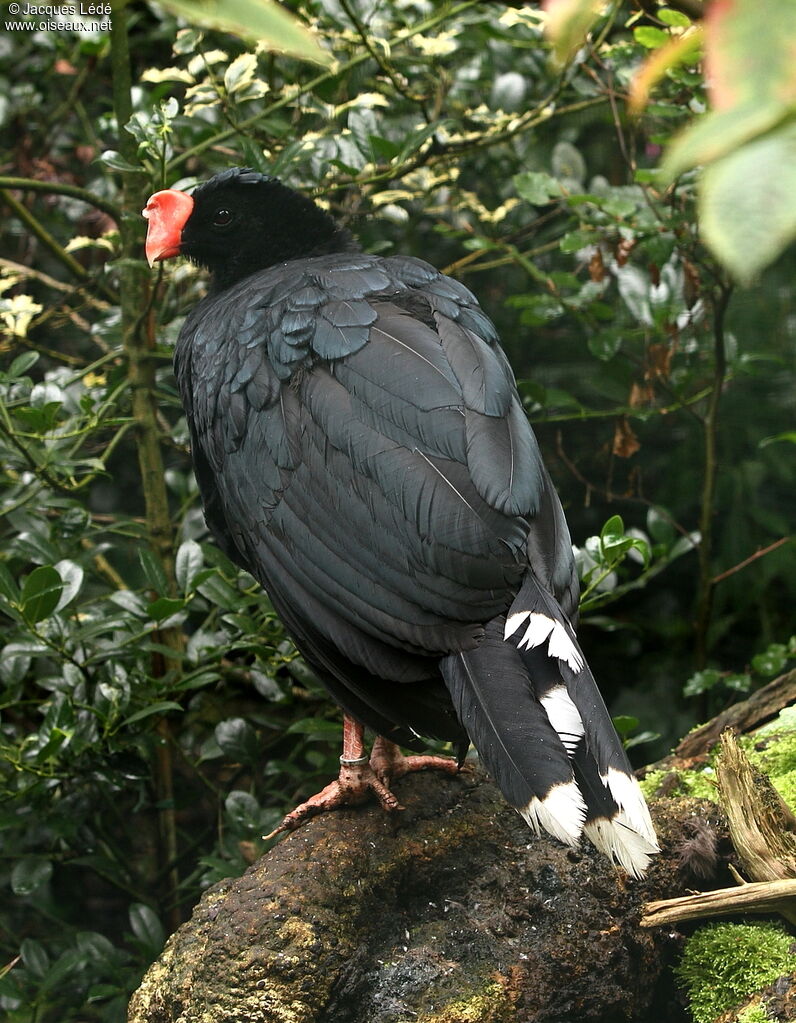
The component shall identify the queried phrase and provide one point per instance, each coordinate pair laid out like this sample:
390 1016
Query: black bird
361 449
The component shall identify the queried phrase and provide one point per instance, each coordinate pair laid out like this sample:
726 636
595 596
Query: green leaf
568 163
252 19
789 436
29 874
117 162
41 592
35 957
746 201
8 585
66 966
218 591
650 37
605 344
537 188
701 682
717 134
318 727
568 24
153 570
750 52
577 240
188 563
613 532
20 366
243 809
147 928
165 607
675 19
238 740
417 138
659 526
72 577
772 660
240 72
625 724
154 708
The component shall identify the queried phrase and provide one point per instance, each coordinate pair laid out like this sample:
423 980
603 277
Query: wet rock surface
449 912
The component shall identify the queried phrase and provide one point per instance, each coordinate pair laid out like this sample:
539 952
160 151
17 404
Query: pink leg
353 785
361 775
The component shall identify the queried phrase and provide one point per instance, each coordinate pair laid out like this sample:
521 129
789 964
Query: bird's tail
533 711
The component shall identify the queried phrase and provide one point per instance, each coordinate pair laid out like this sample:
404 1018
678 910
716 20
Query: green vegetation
723 964
155 721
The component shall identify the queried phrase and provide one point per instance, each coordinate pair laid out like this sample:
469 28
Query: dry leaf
626 443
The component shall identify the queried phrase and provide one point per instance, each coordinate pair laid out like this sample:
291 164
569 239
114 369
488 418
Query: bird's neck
302 230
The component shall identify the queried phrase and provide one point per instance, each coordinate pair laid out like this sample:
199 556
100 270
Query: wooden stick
758 897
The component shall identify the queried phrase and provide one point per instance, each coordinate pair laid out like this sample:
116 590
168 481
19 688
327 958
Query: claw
360 776
353 786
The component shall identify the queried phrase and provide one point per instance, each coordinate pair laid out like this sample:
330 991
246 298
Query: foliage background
155 721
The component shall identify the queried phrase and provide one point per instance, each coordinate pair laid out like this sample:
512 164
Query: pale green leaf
569 23
716 134
747 206
252 19
240 72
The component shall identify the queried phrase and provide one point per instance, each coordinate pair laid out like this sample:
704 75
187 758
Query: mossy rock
450 912
772 749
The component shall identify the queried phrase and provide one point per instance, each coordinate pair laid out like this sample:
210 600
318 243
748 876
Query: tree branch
61 188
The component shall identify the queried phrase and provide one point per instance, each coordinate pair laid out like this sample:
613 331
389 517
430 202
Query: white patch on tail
561 813
618 840
541 626
633 807
564 717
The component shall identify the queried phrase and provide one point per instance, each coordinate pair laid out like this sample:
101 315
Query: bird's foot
356 781
389 763
361 776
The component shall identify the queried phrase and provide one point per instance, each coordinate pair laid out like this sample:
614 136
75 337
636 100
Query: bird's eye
222 218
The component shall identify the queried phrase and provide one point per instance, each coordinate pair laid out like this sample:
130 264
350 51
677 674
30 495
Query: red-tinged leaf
749 54
683 49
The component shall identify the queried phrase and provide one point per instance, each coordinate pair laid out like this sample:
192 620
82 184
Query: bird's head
237 223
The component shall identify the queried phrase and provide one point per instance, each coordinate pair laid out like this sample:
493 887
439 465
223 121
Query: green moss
723 964
778 761
698 784
754 1014
651 782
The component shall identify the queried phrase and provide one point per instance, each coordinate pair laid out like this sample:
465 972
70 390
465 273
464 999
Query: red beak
167 213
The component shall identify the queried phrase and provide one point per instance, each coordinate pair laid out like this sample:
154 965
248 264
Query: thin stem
704 607
390 73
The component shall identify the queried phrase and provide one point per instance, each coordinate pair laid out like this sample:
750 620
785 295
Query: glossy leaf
41 593
147 927
188 563
29 874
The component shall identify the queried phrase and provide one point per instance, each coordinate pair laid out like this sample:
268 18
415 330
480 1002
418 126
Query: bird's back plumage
361 448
